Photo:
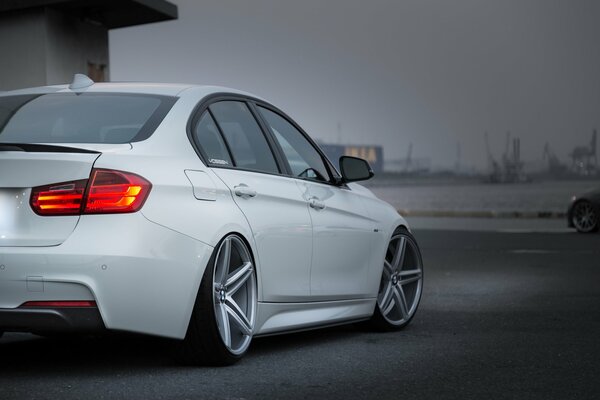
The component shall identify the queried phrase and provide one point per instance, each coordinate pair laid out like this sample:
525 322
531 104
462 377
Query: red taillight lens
108 191
58 199
115 192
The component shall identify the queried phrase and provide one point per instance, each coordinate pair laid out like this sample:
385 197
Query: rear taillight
106 192
115 192
58 199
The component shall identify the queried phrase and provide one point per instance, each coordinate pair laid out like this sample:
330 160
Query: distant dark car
584 212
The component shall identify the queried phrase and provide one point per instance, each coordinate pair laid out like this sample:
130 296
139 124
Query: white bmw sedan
197 213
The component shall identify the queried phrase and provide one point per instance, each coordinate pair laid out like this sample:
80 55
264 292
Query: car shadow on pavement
308 338
31 354
111 353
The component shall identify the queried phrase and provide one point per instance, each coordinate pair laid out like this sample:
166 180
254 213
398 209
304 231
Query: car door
343 234
234 145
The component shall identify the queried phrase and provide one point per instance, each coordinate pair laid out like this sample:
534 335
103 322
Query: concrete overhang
108 13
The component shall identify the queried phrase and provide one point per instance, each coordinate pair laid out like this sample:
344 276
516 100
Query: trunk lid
24 166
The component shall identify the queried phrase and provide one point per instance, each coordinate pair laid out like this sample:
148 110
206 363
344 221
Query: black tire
381 322
584 217
203 344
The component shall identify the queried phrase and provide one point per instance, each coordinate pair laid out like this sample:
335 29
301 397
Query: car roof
164 89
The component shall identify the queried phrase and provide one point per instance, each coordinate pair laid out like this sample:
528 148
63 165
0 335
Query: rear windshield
81 118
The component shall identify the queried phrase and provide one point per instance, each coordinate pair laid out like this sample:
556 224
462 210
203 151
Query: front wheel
222 323
401 283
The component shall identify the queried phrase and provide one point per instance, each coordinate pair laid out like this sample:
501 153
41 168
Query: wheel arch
198 345
245 233
378 319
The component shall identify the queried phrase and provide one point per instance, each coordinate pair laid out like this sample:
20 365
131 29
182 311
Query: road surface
505 314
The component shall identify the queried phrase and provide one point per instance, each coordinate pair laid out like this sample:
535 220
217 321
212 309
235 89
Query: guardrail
483 214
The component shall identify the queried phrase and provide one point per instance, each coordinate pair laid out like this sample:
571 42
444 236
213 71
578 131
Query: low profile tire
401 283
584 217
222 323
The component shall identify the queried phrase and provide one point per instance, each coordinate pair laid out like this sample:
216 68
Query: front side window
81 118
245 139
304 160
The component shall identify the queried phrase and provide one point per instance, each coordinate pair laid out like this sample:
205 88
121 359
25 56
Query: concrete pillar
46 42
46 47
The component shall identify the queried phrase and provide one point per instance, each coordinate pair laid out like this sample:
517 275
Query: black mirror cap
355 169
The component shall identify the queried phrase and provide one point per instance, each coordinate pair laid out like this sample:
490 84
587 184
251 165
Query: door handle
243 190
316 203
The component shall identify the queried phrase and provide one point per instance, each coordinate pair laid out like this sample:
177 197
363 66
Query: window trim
278 154
204 106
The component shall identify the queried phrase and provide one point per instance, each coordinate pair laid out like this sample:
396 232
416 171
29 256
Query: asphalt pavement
505 314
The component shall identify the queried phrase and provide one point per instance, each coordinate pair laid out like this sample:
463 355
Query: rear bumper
84 320
143 277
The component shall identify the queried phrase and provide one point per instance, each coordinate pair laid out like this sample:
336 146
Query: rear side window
248 145
208 137
81 118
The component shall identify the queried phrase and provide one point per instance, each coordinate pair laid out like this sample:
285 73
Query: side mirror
355 169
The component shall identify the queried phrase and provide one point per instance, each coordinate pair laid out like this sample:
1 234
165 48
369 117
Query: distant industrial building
408 165
45 42
373 154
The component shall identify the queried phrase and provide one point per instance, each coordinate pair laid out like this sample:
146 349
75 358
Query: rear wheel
584 217
401 283
222 323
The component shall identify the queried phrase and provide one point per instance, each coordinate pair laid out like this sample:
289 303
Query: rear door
232 142
22 169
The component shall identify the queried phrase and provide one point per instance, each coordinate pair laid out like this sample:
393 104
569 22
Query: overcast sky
430 72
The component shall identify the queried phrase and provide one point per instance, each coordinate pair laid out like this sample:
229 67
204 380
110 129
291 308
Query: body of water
535 197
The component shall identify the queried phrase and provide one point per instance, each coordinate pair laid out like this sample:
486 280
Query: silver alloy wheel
234 294
585 218
401 281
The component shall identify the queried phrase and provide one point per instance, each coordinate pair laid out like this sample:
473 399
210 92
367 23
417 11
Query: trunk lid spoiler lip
43 148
